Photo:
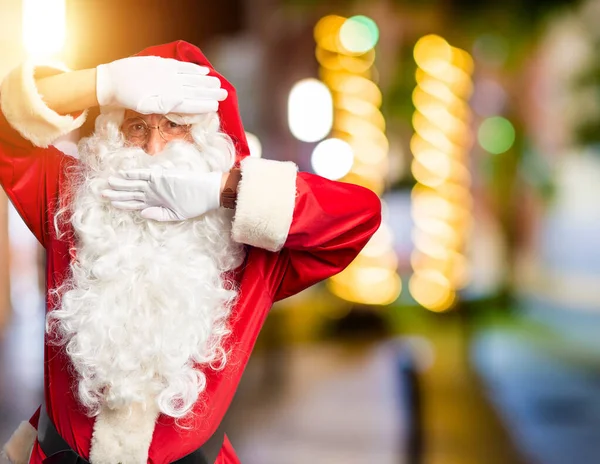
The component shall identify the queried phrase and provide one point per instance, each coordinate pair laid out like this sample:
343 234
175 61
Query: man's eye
138 127
173 125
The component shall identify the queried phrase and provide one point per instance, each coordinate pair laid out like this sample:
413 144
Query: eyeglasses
137 131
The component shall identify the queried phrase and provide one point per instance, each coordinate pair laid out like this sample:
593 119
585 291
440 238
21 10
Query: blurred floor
543 375
334 405
21 368
460 425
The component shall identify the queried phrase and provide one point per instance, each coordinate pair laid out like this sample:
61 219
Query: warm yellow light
380 243
432 170
433 88
383 286
429 245
360 107
357 64
438 230
424 100
438 116
374 183
432 53
437 138
326 32
44 27
462 60
453 266
438 207
350 84
356 126
371 171
358 133
428 200
458 81
456 193
310 110
427 177
431 290
328 60
368 151
436 161
386 260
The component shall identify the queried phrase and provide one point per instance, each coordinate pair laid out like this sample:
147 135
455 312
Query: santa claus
166 247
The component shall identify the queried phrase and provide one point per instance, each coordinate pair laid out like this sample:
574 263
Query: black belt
58 450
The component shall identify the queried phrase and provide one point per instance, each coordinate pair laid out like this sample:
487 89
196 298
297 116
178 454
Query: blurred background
467 330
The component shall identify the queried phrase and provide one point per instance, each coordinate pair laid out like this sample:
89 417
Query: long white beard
146 308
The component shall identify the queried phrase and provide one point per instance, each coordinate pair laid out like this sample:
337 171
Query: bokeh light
441 200
332 158
254 145
432 290
496 135
310 110
432 53
44 27
359 34
358 149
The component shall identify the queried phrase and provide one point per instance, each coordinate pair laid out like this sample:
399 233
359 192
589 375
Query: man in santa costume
166 247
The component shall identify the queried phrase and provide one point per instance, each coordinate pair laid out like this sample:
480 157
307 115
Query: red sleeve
35 418
332 222
30 177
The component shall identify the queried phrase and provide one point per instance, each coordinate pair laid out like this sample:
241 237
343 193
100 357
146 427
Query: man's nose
155 143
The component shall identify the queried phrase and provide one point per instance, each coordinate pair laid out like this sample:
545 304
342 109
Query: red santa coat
299 229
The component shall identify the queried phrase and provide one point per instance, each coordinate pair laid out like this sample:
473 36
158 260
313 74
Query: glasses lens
135 129
171 129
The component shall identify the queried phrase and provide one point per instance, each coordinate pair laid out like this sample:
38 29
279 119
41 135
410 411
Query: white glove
165 194
154 85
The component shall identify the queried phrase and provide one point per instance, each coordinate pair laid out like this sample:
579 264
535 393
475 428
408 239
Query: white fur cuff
18 448
265 203
27 113
123 435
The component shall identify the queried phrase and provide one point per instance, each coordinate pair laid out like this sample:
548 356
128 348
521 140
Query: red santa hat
229 114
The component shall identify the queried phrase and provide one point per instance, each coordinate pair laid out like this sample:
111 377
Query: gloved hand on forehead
154 85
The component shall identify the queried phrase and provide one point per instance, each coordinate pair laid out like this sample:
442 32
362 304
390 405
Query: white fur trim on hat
265 203
123 435
18 448
27 113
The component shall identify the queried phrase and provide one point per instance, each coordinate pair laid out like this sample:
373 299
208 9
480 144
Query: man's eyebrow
132 118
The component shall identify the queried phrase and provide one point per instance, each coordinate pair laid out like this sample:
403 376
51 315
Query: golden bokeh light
352 84
441 200
357 64
453 266
384 287
432 290
346 56
376 184
326 32
432 53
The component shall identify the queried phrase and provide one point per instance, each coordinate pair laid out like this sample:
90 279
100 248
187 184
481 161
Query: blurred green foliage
588 131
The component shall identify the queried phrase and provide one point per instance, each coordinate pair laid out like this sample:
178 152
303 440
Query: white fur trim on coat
27 113
123 436
18 448
265 203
